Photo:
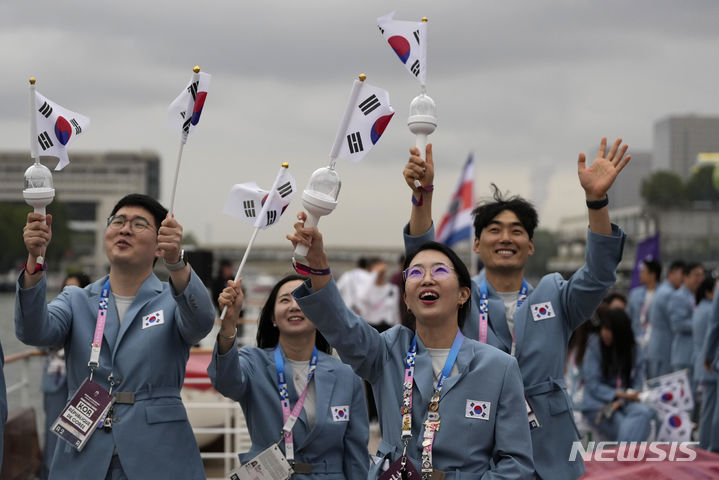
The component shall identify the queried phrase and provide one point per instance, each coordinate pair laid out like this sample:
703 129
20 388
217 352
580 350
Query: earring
274 324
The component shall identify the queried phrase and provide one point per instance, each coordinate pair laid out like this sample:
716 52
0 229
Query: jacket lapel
464 359
520 320
423 374
498 319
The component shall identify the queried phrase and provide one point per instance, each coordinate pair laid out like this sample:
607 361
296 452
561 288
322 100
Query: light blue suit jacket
464 447
599 390
660 340
701 322
153 437
634 308
711 345
337 450
541 346
681 309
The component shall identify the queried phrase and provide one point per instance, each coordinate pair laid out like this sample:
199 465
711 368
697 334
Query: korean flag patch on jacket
477 409
341 413
542 311
155 318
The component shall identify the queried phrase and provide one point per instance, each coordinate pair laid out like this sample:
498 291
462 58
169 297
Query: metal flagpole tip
32 80
196 69
424 19
362 77
285 165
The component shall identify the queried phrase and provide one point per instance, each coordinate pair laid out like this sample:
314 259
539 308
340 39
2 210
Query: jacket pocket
165 413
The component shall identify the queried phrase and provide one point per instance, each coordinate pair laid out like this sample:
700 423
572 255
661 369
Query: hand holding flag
53 128
409 42
260 208
366 116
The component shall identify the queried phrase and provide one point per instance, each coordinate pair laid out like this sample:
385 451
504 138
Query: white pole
33 122
177 174
242 264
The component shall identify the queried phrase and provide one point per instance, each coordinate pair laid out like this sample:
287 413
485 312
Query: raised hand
417 168
600 175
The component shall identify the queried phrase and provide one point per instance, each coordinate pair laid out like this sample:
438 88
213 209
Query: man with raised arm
143 328
533 323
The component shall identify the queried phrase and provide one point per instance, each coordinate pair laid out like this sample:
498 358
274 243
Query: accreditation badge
80 417
270 464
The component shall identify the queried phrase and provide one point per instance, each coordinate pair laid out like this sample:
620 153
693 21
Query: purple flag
647 249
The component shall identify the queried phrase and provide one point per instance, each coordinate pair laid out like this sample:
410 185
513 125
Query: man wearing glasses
143 329
533 324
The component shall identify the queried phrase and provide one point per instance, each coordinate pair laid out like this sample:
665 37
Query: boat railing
233 428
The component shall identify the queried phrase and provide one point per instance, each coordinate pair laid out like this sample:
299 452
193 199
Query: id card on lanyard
483 326
290 416
91 402
402 467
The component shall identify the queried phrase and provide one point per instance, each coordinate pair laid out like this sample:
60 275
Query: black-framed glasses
137 224
438 271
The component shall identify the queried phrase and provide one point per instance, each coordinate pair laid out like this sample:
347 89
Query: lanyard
99 328
484 309
291 417
431 424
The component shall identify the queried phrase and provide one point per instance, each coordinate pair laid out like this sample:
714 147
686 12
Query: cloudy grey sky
524 85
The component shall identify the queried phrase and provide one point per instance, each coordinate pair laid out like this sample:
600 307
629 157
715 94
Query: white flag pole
188 114
342 130
242 264
33 123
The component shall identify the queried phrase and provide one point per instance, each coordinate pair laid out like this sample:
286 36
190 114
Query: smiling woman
434 376
321 410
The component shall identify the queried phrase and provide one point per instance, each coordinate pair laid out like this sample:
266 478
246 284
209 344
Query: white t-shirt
380 303
122 304
510 307
439 358
300 370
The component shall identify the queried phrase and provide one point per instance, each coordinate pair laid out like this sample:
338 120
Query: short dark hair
654 268
677 265
82 279
267 334
157 211
705 287
465 280
485 212
691 266
614 296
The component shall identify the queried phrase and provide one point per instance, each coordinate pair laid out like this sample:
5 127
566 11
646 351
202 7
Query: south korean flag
477 409
675 427
341 413
261 208
542 311
57 127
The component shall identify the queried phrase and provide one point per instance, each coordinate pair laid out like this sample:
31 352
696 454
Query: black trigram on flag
45 110
416 36
186 123
415 68
369 105
249 206
354 142
271 217
193 89
78 128
44 140
284 189
381 30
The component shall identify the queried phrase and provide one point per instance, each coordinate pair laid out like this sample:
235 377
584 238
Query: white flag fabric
367 114
261 208
671 396
409 42
57 127
675 427
192 98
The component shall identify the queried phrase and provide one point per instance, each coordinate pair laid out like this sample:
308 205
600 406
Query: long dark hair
619 358
459 268
267 334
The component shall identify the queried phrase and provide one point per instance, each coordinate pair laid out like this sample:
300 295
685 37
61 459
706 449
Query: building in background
89 187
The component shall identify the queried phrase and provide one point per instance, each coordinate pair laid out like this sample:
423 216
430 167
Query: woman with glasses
289 382
449 407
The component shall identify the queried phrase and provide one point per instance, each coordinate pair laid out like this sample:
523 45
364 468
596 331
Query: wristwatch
173 267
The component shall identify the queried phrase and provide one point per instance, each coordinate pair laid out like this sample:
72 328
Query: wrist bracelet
227 337
39 267
307 270
598 204
419 202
